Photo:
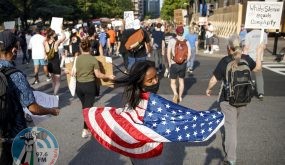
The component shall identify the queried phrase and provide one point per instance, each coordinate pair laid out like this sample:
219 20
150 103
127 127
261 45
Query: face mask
153 88
55 38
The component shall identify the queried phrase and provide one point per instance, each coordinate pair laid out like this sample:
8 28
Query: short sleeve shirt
20 85
85 66
252 41
158 37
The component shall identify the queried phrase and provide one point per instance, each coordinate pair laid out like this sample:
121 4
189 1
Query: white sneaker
85 133
206 51
211 52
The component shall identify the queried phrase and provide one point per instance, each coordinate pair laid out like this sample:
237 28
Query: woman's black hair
133 82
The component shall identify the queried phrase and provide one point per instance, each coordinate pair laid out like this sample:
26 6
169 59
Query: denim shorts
40 62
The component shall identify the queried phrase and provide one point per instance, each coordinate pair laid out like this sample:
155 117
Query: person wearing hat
231 112
177 70
20 95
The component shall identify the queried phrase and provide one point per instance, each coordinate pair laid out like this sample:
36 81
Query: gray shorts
209 41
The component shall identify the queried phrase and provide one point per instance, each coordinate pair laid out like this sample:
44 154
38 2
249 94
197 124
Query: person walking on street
192 38
86 71
252 40
112 39
139 54
178 69
38 55
231 111
53 42
209 38
158 46
169 34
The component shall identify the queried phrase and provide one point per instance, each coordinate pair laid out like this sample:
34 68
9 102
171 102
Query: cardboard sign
263 15
106 67
56 24
9 25
129 19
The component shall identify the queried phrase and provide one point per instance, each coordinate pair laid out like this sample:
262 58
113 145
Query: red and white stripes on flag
122 131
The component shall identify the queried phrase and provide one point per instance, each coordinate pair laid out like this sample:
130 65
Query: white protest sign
129 19
203 20
56 24
265 15
9 24
45 100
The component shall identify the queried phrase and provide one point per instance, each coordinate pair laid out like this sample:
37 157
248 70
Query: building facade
139 9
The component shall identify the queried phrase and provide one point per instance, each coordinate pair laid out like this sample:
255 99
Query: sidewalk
268 57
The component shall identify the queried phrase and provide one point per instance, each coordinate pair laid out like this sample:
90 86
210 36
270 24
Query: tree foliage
168 7
69 10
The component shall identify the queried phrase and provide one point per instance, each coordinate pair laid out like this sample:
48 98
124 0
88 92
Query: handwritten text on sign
265 15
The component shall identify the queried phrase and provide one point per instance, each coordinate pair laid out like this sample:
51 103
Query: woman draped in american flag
148 120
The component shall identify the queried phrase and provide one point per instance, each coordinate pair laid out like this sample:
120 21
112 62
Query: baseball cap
8 39
179 30
137 24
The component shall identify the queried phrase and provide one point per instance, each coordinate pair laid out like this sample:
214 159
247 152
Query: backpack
180 51
50 54
239 86
135 41
12 119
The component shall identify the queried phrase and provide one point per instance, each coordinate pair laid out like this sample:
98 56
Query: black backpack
239 86
12 119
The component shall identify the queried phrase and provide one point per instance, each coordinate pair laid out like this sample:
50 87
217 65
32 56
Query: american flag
140 132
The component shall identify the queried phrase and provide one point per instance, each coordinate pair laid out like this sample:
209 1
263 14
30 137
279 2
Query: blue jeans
132 61
190 63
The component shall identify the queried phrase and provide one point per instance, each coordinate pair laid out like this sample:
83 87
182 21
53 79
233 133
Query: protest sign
106 67
9 24
263 15
56 24
45 100
129 19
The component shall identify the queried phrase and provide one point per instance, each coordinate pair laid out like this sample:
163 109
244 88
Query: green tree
168 7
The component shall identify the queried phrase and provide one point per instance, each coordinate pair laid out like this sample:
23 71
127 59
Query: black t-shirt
220 70
140 53
75 42
158 37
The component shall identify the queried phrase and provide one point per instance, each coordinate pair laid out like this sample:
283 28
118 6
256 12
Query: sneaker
35 82
189 70
211 52
48 78
175 99
260 97
85 133
226 162
206 51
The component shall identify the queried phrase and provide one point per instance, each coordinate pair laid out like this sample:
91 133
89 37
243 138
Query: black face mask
153 88
56 38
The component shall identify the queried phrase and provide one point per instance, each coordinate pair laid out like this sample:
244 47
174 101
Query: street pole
275 42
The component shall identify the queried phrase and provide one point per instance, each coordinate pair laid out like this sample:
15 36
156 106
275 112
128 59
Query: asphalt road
261 131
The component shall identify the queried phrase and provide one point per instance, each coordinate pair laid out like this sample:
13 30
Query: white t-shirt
252 41
28 38
67 38
171 45
37 46
210 31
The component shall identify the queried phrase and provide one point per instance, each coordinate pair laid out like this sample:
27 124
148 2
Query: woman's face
151 77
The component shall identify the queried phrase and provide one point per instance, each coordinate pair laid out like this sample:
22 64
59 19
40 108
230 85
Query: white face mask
102 30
